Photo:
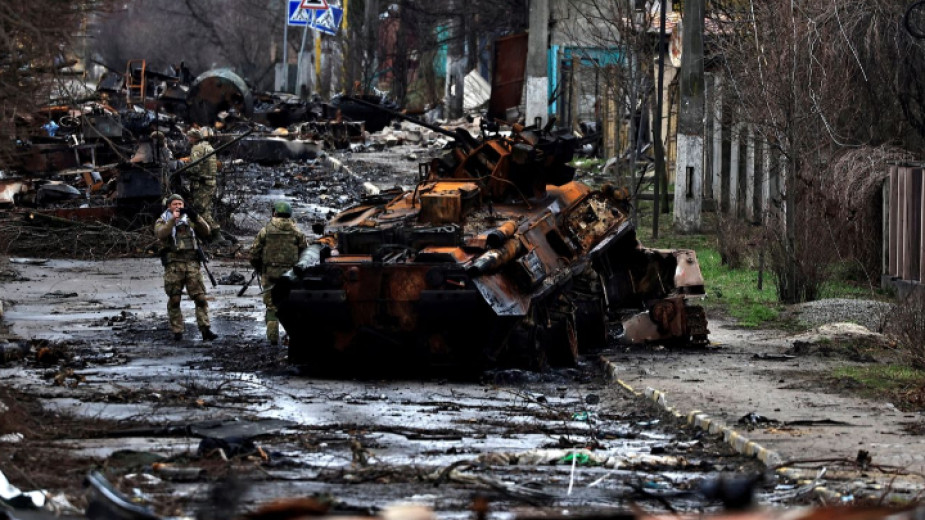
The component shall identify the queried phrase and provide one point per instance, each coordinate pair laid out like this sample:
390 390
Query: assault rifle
248 284
205 263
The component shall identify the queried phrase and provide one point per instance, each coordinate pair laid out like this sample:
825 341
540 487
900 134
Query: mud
366 444
189 426
814 421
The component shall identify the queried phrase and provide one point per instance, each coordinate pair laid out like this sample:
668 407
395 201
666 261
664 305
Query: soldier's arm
195 155
201 227
162 229
301 242
257 249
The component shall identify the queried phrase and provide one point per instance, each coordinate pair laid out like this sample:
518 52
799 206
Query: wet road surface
192 414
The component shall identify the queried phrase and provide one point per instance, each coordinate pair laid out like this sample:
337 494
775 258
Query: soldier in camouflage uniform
275 250
177 230
202 181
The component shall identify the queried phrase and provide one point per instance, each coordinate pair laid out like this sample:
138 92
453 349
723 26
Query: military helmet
194 134
173 198
282 208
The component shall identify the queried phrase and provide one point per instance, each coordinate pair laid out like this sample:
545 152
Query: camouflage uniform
181 268
275 250
202 184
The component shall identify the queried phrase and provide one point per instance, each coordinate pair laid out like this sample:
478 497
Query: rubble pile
316 190
113 158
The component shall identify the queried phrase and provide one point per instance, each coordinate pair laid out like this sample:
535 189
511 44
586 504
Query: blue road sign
328 20
297 16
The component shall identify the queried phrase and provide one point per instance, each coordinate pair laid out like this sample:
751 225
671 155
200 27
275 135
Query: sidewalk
716 388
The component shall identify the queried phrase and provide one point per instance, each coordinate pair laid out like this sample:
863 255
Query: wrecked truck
497 258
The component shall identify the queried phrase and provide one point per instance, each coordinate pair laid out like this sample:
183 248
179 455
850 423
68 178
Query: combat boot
273 332
207 334
178 336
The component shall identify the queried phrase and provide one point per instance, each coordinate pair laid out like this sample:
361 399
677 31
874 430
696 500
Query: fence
903 251
743 172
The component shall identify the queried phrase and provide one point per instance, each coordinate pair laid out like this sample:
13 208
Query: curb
698 419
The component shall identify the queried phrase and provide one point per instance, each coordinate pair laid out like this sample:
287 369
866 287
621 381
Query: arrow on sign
313 4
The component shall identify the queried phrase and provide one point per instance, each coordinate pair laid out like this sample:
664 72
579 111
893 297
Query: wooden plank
892 240
765 197
750 173
915 222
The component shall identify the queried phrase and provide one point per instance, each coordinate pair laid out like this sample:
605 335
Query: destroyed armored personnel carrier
496 258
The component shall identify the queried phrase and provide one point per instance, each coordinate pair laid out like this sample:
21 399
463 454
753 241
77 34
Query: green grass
891 381
731 291
588 163
735 292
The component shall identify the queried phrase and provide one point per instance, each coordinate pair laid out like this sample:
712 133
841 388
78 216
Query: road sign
313 4
297 15
328 21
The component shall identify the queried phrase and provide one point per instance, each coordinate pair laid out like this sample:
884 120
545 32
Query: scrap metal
496 257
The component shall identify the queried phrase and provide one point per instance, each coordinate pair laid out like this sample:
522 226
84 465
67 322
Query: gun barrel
406 117
213 152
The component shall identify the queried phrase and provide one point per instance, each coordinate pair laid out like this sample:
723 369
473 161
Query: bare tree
621 45
819 80
239 34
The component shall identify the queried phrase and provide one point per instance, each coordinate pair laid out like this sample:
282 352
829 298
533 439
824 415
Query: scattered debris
11 496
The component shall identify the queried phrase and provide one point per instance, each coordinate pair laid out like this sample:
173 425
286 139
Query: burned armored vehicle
496 258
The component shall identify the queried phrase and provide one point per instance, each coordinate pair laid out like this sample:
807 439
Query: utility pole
456 61
284 74
688 191
371 28
657 129
300 68
537 45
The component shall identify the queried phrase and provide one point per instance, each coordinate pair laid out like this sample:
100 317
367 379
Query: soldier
152 150
276 249
177 230
202 181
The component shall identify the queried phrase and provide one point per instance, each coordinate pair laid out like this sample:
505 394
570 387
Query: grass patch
899 383
590 164
733 292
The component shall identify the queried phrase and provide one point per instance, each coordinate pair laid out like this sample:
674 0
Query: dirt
104 386
807 414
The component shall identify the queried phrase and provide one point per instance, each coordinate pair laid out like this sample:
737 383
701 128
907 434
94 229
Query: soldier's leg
174 277
197 292
203 201
270 318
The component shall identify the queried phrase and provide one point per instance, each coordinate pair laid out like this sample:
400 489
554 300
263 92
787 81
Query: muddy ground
91 380
106 387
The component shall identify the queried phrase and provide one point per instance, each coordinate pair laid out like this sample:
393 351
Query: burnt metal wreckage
497 257
72 159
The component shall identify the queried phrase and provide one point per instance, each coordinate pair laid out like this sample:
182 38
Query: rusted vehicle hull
496 258
417 296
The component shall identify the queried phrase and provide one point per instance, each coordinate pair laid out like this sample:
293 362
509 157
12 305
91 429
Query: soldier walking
275 250
202 181
177 230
